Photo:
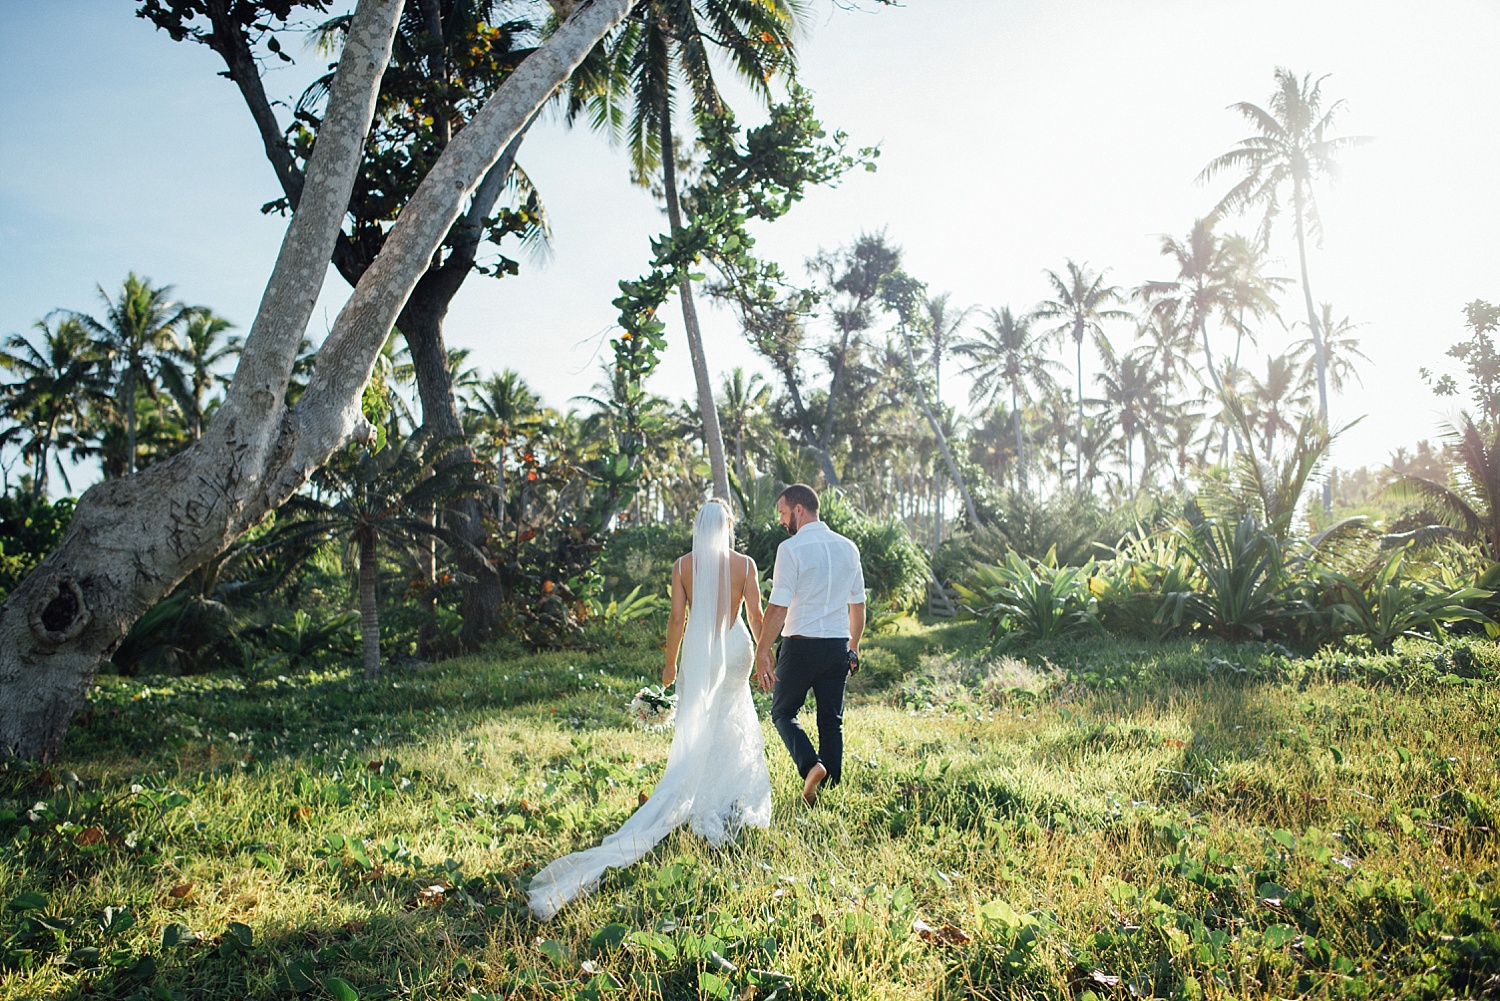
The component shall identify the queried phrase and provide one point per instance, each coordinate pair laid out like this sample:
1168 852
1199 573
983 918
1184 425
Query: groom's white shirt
817 577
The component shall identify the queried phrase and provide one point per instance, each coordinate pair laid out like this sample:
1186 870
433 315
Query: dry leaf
819 920
88 837
948 934
301 814
748 992
1173 742
375 766
641 799
181 890
431 895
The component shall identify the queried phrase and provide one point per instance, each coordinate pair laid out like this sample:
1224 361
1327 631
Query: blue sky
1014 136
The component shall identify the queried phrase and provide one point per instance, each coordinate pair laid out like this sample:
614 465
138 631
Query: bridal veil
715 777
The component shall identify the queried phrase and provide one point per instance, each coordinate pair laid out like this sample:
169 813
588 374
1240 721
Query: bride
716 770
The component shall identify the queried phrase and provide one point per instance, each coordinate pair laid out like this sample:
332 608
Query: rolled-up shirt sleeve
783 576
857 588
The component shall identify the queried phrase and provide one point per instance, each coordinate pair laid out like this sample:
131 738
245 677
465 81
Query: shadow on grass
210 723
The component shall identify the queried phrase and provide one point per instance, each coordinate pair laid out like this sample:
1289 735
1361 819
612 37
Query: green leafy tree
448 58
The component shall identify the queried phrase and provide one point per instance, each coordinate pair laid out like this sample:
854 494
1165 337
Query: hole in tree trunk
59 613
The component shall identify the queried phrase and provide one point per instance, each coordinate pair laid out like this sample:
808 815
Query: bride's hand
668 675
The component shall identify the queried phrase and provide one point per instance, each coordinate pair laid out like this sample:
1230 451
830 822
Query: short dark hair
800 493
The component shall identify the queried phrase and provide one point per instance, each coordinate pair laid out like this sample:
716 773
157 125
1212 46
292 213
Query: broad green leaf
341 989
610 936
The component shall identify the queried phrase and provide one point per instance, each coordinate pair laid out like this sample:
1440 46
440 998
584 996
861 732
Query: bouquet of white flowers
652 708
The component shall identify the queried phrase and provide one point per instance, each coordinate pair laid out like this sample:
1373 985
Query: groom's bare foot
815 777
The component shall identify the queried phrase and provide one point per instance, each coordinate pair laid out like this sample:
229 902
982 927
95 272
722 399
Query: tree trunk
481 588
937 431
1078 432
369 611
1320 359
422 324
129 394
712 437
132 540
1015 420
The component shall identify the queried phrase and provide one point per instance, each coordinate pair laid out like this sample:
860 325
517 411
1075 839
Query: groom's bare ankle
815 776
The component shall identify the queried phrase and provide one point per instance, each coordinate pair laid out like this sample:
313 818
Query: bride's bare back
744 585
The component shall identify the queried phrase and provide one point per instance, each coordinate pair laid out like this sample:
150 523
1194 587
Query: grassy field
1109 820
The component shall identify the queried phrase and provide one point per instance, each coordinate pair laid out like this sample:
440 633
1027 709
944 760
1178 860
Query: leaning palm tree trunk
937 431
369 611
1319 357
712 436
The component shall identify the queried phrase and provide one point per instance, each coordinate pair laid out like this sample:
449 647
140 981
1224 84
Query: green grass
1183 819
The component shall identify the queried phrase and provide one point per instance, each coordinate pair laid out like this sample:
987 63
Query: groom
817 606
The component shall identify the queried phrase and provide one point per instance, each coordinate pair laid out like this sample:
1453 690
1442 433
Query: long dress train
716 778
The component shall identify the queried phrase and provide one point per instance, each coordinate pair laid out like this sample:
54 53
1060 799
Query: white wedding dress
716 778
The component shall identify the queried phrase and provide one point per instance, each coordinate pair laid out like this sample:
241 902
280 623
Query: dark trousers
822 667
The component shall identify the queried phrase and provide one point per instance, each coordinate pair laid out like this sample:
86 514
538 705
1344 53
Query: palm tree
1081 303
746 404
139 326
1201 288
1292 145
1272 401
1133 394
903 295
48 402
1249 291
187 370
1340 348
1008 355
663 42
376 497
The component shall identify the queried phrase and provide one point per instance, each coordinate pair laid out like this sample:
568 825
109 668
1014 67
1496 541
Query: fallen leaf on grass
1173 742
429 896
375 766
819 920
948 934
301 814
641 799
88 837
181 890
1082 978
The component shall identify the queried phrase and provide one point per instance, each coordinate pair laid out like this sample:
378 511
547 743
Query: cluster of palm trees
123 388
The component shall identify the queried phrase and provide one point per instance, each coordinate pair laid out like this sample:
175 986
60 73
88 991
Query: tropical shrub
1242 591
1132 587
30 528
1074 527
641 556
1388 604
896 568
1023 599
